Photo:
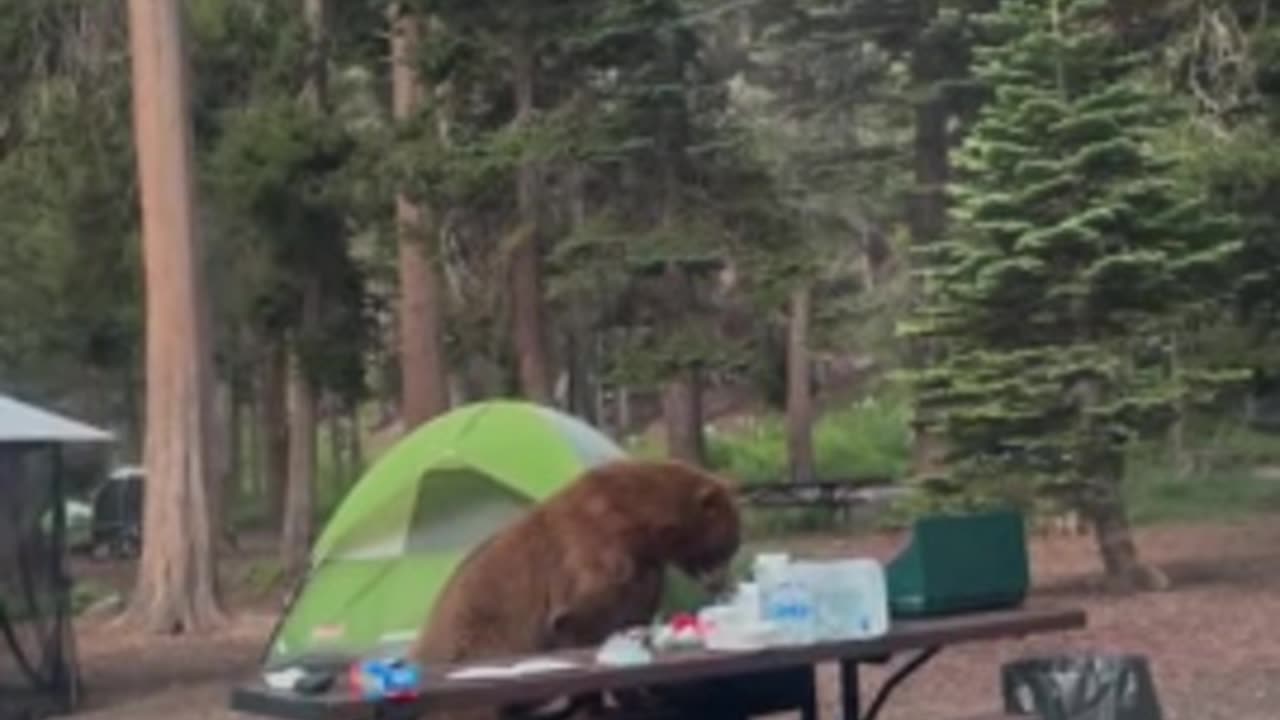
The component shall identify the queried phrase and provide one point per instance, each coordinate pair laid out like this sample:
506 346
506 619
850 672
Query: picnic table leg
890 684
850 702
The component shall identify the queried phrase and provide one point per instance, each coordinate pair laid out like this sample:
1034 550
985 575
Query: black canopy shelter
37 652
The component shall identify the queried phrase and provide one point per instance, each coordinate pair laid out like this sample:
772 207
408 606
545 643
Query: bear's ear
712 494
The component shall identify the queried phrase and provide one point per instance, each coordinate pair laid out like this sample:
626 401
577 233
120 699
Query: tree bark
275 430
177 584
581 341
423 378
338 446
799 389
682 414
220 452
529 331
233 487
253 455
299 498
295 536
1103 502
625 419
927 219
1106 513
356 444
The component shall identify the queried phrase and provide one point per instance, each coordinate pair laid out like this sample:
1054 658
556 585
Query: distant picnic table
838 496
743 684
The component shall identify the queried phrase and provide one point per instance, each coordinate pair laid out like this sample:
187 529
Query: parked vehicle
117 513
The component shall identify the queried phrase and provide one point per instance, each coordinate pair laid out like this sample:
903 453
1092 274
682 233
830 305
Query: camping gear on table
786 599
1082 687
385 680
38 674
399 534
960 563
850 598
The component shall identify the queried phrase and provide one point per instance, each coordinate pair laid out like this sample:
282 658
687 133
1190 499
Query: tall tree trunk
927 219
177 585
299 515
233 489
423 378
581 343
356 448
275 430
799 389
338 446
625 418
254 460
682 415
529 332
1179 457
220 454
300 496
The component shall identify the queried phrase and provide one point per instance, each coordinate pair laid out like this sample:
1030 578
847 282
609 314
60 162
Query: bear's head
669 512
712 534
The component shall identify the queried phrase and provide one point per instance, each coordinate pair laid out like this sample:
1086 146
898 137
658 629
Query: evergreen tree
1233 80
1073 260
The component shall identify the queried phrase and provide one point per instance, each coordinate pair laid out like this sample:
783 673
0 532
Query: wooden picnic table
783 674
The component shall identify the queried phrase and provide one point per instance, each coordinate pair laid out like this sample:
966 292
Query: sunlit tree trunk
177 584
682 415
424 385
799 389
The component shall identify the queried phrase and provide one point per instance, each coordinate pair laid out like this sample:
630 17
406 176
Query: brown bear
586 563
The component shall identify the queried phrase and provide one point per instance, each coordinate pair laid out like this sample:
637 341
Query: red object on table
685 621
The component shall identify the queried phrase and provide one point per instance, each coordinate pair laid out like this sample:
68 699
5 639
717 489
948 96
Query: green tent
395 539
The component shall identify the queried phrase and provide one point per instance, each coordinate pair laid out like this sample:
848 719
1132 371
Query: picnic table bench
838 496
733 685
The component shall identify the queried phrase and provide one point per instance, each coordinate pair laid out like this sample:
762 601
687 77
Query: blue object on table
382 679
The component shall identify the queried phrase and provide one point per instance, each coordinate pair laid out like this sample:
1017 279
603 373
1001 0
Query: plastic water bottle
855 599
787 600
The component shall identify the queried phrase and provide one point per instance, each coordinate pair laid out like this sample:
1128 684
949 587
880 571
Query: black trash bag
1085 687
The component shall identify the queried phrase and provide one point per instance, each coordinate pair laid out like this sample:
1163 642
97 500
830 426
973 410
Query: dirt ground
1212 640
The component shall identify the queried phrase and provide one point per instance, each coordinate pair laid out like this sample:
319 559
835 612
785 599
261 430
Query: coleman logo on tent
328 632
399 636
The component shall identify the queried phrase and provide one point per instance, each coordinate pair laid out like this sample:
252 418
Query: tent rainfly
397 537
37 652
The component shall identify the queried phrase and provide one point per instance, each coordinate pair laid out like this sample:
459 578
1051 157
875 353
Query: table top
669 668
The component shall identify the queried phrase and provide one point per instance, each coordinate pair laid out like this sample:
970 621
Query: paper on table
524 667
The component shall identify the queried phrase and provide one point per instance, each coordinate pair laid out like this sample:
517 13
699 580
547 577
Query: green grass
1164 498
1224 483
869 439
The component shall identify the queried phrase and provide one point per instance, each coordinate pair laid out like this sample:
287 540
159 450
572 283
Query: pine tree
1073 259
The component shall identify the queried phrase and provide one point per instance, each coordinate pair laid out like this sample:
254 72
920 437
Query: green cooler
960 563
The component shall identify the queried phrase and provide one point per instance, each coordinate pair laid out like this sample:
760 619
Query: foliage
1075 262
864 440
279 174
71 326
1225 60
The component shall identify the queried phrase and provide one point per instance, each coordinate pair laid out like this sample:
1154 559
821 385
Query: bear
586 563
